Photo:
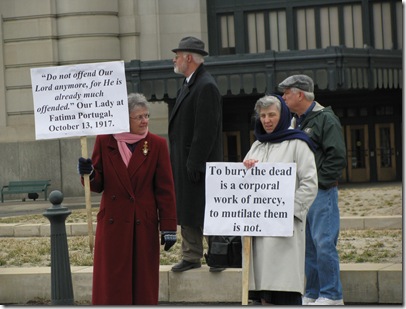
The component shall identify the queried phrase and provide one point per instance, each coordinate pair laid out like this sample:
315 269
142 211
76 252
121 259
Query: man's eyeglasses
140 117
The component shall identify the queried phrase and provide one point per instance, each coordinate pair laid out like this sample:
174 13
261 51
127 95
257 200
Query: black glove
193 175
168 238
85 166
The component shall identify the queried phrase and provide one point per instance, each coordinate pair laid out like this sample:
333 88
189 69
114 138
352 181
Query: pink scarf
122 140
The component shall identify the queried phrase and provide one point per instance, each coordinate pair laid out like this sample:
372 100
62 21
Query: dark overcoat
195 137
136 203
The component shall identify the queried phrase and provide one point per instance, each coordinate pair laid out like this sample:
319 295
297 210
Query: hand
85 166
249 163
168 238
193 175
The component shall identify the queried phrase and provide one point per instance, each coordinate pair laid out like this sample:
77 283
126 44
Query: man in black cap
195 137
322 267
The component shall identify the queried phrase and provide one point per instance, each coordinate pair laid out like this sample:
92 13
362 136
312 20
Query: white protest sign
79 100
250 202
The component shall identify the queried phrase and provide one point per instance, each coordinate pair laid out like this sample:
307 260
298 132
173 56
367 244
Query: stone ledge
362 283
80 229
375 223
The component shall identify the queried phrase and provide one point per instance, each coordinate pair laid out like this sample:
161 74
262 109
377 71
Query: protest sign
79 100
250 202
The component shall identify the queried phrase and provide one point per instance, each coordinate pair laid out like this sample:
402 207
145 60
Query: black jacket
195 137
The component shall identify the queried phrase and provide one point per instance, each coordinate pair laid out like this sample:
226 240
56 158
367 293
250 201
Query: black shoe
185 265
216 269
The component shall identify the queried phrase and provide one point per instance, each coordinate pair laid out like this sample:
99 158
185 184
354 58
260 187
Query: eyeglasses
140 117
183 55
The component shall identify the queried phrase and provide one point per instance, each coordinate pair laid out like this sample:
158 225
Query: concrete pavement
363 283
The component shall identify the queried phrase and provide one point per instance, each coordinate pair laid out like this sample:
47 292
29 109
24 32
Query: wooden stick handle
83 142
245 268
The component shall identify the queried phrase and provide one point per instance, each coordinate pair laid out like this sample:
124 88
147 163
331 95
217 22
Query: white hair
308 95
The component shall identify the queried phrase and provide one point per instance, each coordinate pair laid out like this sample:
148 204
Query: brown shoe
185 265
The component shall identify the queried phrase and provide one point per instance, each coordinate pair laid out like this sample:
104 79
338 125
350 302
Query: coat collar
184 91
138 158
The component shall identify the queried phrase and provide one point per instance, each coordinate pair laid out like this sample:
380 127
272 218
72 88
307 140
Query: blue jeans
322 266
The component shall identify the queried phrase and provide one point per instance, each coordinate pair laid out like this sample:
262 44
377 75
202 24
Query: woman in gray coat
276 273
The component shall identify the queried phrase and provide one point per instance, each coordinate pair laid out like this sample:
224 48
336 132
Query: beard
180 69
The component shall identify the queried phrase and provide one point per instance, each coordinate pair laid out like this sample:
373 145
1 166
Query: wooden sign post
86 179
245 268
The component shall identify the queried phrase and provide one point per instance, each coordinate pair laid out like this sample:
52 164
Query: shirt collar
189 77
299 119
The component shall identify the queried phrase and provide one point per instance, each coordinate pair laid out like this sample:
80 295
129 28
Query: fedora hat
191 44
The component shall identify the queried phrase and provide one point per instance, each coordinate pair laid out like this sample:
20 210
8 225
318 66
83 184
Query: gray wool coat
195 137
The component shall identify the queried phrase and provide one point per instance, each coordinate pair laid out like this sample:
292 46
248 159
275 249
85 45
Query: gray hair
266 101
137 100
308 95
196 57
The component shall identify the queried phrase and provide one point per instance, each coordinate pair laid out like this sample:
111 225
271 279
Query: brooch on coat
145 148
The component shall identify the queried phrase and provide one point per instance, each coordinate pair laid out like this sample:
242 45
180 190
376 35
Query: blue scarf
282 131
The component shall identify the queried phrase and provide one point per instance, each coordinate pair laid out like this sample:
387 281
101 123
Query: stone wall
41 33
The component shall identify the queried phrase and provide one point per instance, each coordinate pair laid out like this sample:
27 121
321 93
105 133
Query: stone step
362 284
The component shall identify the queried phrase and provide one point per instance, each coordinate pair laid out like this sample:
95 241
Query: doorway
358 153
385 151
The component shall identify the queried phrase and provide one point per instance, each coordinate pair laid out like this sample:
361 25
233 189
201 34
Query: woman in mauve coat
134 173
276 271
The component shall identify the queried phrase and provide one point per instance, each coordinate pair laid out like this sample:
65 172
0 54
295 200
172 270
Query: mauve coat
136 203
195 137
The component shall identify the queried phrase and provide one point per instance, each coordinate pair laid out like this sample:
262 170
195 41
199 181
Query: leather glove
193 175
168 238
85 166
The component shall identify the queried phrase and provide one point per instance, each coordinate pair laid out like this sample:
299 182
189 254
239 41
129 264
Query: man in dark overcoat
195 137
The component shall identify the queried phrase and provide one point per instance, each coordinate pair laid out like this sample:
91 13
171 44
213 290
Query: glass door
385 151
358 153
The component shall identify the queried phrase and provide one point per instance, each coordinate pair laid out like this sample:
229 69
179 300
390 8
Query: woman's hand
249 163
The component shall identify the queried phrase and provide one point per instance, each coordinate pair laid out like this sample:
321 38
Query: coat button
111 220
137 222
132 199
113 197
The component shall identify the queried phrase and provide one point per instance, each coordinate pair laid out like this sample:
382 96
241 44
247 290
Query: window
259 26
277 31
267 31
256 32
382 26
358 148
399 25
330 35
353 26
227 35
384 110
385 147
306 29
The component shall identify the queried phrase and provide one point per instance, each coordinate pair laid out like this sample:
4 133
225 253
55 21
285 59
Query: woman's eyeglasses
140 117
